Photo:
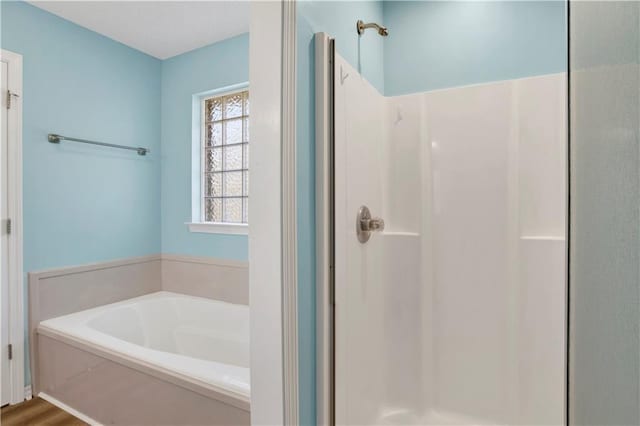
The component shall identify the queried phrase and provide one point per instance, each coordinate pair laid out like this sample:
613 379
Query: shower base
432 418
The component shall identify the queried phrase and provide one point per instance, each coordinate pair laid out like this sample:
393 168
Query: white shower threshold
432 418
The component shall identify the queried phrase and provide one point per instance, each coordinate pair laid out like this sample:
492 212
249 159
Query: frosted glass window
225 158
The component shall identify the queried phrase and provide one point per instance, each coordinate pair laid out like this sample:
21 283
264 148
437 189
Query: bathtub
161 339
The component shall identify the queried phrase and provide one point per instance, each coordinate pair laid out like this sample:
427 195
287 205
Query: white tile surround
220 279
459 305
214 278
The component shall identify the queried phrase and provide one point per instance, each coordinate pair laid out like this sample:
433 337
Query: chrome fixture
365 224
53 138
361 26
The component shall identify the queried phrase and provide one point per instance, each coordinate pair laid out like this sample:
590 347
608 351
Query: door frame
14 207
273 280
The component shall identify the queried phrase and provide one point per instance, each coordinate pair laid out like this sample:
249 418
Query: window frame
198 224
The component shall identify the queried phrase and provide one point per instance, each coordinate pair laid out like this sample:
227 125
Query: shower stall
452 311
444 214
476 204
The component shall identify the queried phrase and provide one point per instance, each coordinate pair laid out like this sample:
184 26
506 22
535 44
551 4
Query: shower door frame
325 229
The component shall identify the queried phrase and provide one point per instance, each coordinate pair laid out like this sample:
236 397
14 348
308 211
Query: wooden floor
36 412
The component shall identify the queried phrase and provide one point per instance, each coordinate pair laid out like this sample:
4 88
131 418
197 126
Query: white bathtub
202 341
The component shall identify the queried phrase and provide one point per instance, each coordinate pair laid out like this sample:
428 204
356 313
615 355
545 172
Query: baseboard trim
61 405
94 266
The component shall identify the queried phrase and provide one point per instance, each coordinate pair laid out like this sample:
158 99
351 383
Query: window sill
218 228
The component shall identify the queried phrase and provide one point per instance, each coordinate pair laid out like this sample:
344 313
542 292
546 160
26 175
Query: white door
4 240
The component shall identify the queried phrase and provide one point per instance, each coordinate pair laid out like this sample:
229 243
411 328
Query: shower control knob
365 224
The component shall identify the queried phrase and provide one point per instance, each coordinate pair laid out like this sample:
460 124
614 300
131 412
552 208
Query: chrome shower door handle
365 224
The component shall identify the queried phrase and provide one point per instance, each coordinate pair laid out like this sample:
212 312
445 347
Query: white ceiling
159 28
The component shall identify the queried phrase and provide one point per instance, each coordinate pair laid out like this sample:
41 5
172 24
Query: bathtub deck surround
199 340
191 349
113 393
66 292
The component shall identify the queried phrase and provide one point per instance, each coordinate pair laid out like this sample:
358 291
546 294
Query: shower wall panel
454 314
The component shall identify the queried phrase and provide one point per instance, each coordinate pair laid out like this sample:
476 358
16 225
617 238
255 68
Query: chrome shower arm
361 27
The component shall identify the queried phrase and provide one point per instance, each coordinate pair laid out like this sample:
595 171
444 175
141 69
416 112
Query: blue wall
219 65
440 44
431 45
338 19
85 203
434 45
